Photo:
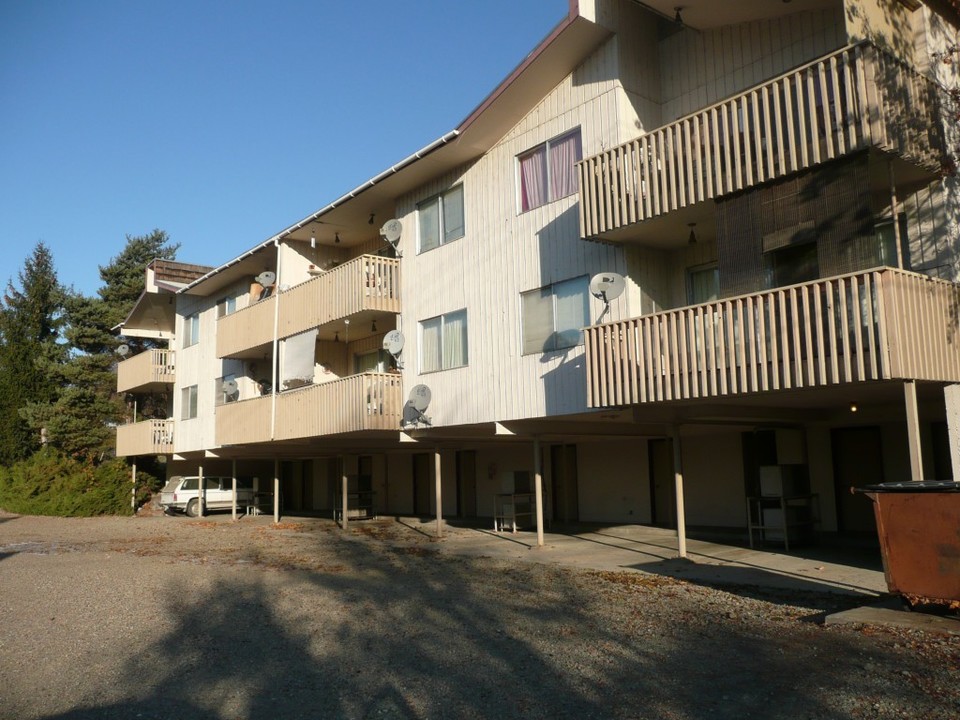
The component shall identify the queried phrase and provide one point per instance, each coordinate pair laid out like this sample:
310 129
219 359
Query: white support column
678 484
437 491
343 492
913 429
200 491
538 489
951 397
276 491
233 471
133 490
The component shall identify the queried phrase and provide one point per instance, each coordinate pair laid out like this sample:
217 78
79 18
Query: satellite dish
393 342
391 231
607 286
420 397
123 350
230 390
266 278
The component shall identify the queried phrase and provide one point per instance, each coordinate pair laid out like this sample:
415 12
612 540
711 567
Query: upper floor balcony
882 324
148 437
856 98
353 404
358 289
148 371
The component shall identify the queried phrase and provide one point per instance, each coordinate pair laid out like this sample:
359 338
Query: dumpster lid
912 486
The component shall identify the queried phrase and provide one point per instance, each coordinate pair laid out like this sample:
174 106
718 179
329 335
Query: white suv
180 493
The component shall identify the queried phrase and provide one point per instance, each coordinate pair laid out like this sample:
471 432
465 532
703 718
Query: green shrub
50 483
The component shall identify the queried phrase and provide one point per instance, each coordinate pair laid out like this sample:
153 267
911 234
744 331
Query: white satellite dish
123 350
414 408
266 278
607 287
393 342
230 390
391 232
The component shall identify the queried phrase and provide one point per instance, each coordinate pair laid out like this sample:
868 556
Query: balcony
882 324
359 403
148 437
149 371
856 98
368 283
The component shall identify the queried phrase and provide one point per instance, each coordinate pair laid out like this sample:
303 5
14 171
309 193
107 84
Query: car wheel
192 509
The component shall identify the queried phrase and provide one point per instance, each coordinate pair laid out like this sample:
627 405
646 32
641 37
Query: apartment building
775 183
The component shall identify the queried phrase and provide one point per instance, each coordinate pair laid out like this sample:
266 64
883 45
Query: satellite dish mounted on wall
267 278
123 350
231 391
391 231
415 407
393 344
607 287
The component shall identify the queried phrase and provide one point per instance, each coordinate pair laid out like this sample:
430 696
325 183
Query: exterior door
662 487
857 461
422 482
563 471
466 483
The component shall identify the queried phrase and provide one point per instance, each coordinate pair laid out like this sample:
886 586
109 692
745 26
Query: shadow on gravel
397 632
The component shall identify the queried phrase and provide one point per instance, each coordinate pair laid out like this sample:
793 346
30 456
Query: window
443 342
441 219
191 330
887 242
703 284
188 403
548 172
553 315
225 306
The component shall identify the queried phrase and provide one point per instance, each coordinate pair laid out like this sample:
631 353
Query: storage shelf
798 515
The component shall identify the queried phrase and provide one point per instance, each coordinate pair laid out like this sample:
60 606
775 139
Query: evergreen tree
31 318
123 277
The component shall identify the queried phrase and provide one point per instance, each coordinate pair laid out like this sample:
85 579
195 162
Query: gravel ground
162 617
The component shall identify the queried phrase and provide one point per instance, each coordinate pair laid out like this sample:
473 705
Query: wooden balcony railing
877 325
854 98
149 368
370 401
148 437
368 282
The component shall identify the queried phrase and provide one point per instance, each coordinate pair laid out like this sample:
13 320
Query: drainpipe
276 344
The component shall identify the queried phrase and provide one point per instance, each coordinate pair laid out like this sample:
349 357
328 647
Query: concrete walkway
654 550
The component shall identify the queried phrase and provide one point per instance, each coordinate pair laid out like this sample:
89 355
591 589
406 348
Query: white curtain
572 309
537 309
430 345
430 224
564 154
297 359
455 339
533 180
453 214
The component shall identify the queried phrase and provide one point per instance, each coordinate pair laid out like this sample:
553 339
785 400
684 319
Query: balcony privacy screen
828 206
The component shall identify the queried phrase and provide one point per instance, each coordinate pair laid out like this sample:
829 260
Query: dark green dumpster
919 528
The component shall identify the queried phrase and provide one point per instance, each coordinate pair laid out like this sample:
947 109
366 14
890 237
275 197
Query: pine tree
31 352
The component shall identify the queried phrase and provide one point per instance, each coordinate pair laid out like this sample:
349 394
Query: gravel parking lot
159 617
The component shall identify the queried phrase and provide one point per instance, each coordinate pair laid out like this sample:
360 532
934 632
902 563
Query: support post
343 492
678 485
276 491
233 471
913 429
200 494
437 490
538 489
133 490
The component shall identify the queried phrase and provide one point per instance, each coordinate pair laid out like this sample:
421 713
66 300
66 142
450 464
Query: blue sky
224 122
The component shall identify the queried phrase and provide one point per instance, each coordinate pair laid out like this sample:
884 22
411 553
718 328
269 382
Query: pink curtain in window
564 154
533 180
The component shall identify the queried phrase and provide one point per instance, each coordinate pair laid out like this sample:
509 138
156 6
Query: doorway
422 480
466 483
663 497
564 483
857 461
